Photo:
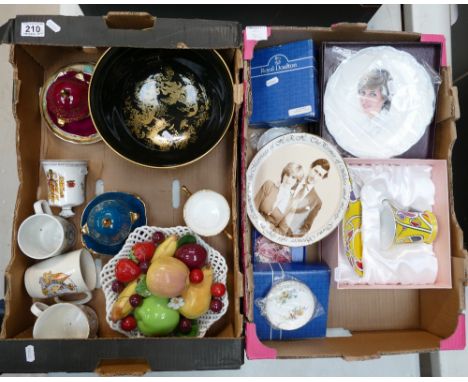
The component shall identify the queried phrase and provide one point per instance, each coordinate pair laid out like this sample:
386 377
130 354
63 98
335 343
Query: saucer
207 213
352 238
64 104
108 220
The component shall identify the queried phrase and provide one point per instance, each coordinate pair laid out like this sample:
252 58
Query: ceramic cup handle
42 207
83 300
38 308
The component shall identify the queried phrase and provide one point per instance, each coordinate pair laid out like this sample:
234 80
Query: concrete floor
401 365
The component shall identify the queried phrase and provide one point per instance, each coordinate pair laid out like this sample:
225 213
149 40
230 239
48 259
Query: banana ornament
122 307
167 248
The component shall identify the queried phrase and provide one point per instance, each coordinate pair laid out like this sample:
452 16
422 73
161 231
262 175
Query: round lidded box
108 220
289 305
64 104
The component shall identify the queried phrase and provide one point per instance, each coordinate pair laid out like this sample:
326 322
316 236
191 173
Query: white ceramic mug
44 235
64 321
65 184
71 273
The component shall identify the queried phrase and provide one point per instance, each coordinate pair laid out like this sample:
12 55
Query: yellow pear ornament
197 297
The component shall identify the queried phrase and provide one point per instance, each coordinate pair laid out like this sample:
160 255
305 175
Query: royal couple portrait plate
298 189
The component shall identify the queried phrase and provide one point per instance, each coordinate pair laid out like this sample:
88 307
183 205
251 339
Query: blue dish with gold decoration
108 220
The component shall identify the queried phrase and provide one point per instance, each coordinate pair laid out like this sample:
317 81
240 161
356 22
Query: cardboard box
332 245
380 321
285 85
315 276
34 59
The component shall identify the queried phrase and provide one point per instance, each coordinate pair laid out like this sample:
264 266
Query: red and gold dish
64 104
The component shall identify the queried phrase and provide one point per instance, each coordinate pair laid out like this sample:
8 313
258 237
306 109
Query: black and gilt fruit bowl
161 107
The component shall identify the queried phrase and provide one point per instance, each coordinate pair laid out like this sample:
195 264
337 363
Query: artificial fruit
155 318
167 277
197 297
126 270
192 255
122 306
166 249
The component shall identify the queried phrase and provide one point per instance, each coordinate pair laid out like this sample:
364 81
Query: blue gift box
298 254
284 85
315 276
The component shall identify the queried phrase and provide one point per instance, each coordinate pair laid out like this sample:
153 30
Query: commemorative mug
72 273
45 235
65 184
406 227
64 321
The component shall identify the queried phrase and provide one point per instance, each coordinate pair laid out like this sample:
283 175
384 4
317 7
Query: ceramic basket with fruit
164 281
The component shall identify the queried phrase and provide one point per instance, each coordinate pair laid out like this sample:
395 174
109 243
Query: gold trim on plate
87 204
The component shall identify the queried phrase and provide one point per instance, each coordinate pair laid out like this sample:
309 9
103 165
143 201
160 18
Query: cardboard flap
238 94
349 27
7 32
240 284
115 367
99 31
371 345
129 20
448 105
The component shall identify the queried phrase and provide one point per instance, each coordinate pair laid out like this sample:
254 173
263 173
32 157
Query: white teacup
64 321
44 235
65 184
206 212
71 273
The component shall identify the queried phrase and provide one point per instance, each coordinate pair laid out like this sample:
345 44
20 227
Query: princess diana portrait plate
379 102
297 189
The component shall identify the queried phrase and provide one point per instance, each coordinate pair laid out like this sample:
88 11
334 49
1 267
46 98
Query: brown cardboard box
34 59
380 321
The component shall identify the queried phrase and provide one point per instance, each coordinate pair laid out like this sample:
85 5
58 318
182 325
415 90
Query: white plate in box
379 102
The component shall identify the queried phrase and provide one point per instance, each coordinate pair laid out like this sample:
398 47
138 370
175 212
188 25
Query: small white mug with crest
65 184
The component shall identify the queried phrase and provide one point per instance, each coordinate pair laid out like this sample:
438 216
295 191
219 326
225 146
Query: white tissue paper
409 187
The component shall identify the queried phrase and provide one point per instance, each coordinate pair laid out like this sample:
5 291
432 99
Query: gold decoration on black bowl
166 109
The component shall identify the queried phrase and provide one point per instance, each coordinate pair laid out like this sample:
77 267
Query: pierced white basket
145 233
